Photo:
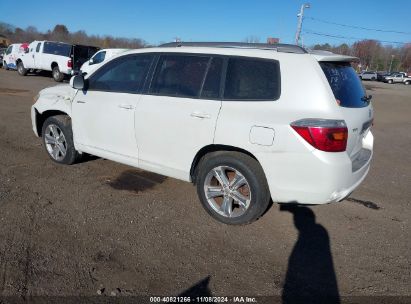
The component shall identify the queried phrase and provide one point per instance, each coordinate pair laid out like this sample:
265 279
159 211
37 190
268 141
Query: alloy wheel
227 191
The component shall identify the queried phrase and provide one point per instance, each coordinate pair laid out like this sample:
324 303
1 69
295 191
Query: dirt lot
103 227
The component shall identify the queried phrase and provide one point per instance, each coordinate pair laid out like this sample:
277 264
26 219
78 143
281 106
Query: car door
28 60
103 115
177 115
398 78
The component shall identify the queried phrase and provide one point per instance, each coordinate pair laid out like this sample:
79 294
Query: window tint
99 57
179 75
57 48
123 75
38 47
252 79
345 84
211 87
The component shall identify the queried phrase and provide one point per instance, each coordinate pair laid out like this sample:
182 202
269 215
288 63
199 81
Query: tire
360 77
373 78
5 66
407 82
21 69
58 140
57 75
253 191
390 81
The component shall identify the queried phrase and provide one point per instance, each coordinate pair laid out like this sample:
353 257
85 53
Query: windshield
345 84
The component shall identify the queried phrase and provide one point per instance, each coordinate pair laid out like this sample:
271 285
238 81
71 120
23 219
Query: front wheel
21 69
232 187
407 82
390 81
58 140
57 75
5 66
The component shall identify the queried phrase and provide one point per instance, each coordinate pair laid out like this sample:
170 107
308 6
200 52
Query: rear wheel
407 82
390 81
232 187
372 78
21 69
58 140
57 75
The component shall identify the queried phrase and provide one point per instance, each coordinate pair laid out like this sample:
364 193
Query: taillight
69 63
323 134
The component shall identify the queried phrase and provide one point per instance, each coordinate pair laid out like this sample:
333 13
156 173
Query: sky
159 21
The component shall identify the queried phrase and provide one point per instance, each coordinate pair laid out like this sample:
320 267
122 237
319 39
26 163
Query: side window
9 49
179 75
99 57
211 87
38 47
252 79
123 75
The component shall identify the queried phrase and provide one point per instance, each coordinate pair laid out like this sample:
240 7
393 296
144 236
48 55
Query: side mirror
77 82
26 50
91 61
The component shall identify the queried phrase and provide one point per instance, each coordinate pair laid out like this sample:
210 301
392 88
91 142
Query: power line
358 27
351 38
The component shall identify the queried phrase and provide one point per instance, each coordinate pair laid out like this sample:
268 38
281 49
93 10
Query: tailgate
351 96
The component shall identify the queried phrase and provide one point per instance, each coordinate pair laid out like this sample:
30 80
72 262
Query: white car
228 117
368 75
58 57
11 54
99 59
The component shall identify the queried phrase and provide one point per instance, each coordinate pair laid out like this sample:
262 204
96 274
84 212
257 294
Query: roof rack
284 48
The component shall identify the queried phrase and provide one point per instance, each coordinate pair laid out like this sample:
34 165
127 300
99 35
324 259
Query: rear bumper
317 177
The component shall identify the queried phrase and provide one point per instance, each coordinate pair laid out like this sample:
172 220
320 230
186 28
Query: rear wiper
366 98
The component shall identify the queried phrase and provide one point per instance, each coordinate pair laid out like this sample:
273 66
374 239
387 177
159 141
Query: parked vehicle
228 117
382 75
368 76
11 54
2 51
99 58
398 78
59 58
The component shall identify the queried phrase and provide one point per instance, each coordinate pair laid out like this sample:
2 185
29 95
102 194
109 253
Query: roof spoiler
321 55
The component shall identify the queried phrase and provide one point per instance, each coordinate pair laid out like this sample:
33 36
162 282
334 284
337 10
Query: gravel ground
103 228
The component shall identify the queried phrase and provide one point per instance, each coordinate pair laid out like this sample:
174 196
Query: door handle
80 101
200 115
126 106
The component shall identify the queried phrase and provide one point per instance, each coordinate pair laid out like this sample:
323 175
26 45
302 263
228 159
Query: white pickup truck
58 57
398 78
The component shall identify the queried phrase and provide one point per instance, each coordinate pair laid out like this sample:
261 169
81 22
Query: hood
61 91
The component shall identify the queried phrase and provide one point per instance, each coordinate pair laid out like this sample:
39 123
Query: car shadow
310 276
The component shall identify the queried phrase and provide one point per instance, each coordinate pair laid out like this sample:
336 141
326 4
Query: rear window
345 84
252 79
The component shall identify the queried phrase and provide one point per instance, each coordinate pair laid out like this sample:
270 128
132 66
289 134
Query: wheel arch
41 118
53 65
214 148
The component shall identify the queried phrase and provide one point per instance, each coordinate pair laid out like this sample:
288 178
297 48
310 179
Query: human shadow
310 275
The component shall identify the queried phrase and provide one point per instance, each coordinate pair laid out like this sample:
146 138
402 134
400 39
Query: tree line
373 55
61 33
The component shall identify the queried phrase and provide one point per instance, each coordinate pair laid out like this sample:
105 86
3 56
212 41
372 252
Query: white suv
229 117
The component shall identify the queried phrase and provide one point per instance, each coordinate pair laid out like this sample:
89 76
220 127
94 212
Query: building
271 40
4 41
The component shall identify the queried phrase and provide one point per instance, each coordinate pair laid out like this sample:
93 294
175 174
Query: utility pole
392 58
300 22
